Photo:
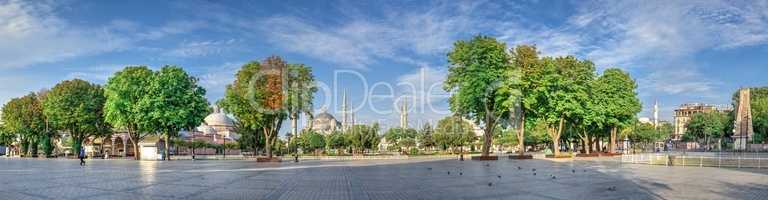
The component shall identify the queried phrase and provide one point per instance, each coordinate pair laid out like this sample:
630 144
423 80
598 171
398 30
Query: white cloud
401 37
201 48
32 34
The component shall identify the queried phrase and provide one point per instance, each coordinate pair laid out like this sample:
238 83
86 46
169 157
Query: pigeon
519 168
573 170
461 173
429 168
534 173
487 165
499 176
533 170
490 184
449 172
612 188
585 170
553 177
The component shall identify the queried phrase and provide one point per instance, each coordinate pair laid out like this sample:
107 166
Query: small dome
205 129
218 119
324 116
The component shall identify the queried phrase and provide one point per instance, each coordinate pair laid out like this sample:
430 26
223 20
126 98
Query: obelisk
742 132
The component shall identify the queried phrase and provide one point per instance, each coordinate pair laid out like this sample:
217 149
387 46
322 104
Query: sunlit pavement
374 179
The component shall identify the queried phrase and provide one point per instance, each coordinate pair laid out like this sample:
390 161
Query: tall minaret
404 114
344 111
656 114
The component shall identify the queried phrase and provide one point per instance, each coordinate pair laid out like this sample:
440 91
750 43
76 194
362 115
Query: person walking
81 155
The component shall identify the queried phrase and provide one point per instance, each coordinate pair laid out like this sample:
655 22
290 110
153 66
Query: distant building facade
684 113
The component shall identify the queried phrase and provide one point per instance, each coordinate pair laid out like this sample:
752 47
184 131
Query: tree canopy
76 106
479 68
173 102
124 91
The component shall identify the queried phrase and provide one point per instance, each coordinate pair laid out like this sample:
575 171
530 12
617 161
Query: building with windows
684 113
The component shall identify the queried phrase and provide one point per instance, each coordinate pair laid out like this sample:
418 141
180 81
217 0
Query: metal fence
700 159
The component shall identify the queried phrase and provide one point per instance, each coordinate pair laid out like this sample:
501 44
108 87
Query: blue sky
679 52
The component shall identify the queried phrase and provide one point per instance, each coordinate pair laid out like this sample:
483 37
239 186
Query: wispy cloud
202 48
32 34
359 41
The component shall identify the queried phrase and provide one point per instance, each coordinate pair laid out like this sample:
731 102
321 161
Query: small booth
151 148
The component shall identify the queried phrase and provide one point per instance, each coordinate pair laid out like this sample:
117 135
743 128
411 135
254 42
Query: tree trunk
488 135
167 142
585 140
132 137
521 135
295 124
554 133
267 142
612 144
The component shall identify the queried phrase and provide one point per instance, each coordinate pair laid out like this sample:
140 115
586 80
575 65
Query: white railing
702 160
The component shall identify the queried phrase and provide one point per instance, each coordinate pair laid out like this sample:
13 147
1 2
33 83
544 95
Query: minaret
656 114
344 111
404 114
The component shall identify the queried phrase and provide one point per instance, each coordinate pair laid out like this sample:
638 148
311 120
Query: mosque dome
324 117
218 119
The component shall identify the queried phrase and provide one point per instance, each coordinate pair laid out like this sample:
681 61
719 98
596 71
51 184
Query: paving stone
372 179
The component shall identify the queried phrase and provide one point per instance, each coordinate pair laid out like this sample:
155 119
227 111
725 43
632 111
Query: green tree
363 137
335 140
76 106
300 92
24 117
559 92
312 141
424 137
124 91
452 132
706 126
401 138
525 59
173 102
643 134
477 75
615 100
255 98
250 137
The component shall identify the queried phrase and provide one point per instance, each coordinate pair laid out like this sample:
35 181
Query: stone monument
743 131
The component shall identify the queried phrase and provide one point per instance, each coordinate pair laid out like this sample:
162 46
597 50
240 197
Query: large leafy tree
615 102
559 91
124 91
452 132
300 92
312 141
363 137
525 59
477 75
335 140
401 137
706 126
76 107
173 102
24 117
256 98
425 136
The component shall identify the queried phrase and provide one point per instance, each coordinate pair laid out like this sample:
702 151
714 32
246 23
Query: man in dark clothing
81 155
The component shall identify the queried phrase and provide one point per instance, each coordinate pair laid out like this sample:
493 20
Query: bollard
701 161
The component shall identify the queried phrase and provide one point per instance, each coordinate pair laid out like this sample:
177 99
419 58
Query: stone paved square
373 179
